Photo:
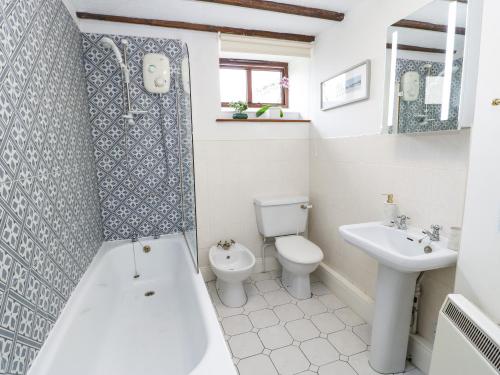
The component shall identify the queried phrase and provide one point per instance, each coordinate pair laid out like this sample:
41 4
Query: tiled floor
277 334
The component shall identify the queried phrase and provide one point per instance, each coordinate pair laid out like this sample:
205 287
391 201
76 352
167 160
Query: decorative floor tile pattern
275 333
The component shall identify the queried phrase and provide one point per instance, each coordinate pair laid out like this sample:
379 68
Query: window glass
233 85
266 86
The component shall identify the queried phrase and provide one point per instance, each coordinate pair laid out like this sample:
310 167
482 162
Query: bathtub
110 327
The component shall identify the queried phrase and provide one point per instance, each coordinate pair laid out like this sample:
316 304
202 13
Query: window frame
248 66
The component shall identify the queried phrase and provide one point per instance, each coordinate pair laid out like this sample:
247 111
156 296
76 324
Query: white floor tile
259 364
245 345
288 312
347 343
360 363
250 289
319 289
319 351
262 276
237 324
311 306
278 297
267 286
276 334
224 311
331 301
336 368
302 329
275 337
349 317
255 302
263 318
364 332
289 360
327 322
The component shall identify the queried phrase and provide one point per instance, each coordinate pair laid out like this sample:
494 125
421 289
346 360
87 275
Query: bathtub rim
216 358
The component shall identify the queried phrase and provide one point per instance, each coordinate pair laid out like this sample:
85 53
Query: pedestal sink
401 256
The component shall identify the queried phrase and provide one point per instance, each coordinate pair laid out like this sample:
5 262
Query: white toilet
284 219
231 266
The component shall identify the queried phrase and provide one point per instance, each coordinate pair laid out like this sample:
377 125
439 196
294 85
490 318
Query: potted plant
239 108
273 112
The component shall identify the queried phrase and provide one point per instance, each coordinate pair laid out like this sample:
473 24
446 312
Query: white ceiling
220 15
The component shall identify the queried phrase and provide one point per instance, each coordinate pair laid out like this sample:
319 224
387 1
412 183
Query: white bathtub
109 326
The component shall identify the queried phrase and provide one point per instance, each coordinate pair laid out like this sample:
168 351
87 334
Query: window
254 82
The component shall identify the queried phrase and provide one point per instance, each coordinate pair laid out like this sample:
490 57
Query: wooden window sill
260 120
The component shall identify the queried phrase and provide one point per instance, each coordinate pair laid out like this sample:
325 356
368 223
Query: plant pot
273 113
240 116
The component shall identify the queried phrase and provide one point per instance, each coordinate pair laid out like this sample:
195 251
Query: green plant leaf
262 110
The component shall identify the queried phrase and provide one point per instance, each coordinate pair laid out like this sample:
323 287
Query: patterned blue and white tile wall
140 192
50 226
408 122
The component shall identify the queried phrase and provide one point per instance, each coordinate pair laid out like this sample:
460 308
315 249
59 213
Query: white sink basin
402 256
399 249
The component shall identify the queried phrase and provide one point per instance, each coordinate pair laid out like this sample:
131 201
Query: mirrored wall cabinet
431 68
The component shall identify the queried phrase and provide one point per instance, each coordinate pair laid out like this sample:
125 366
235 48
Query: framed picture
350 86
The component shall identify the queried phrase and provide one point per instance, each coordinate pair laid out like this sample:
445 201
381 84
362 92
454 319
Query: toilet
232 265
285 219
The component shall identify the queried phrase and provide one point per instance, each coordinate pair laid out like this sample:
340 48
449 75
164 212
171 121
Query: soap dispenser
390 210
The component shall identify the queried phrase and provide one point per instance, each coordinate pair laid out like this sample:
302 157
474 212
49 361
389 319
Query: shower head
108 43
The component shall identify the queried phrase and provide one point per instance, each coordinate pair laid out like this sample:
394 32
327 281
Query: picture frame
349 86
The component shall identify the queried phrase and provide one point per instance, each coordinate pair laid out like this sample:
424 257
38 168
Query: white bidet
232 267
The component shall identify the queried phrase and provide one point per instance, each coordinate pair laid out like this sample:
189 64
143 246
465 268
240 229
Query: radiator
467 341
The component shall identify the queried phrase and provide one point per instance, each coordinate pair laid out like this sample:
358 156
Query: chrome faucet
401 222
435 234
156 233
134 237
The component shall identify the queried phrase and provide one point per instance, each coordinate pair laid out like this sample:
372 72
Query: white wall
478 271
351 165
234 162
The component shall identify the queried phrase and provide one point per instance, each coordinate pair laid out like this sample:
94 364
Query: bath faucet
402 222
156 233
134 237
435 234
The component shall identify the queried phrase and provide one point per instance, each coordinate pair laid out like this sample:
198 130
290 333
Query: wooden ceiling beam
419 25
273 6
197 27
405 47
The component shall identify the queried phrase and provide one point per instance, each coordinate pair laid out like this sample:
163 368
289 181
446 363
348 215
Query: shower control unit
156 73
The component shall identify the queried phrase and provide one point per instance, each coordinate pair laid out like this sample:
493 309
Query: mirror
424 69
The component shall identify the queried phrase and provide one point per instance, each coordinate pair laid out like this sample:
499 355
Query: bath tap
134 237
156 233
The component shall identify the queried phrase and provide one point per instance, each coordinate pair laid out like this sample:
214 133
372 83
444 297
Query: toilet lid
298 249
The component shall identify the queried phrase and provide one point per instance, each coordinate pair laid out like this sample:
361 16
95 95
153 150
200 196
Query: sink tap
402 222
435 234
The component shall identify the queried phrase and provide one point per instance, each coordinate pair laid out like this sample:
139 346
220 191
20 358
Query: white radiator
467 341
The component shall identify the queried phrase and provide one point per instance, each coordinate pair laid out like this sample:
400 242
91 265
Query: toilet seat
299 250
